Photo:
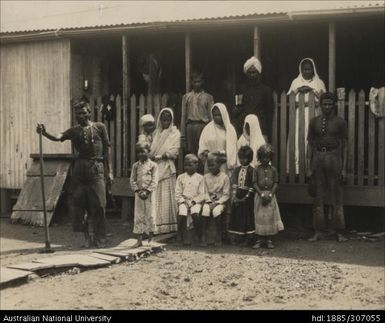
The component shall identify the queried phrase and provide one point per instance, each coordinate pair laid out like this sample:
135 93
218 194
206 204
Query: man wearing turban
253 97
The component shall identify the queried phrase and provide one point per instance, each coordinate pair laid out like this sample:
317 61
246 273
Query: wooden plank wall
35 88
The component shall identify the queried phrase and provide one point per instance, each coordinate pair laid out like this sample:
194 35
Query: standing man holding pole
88 189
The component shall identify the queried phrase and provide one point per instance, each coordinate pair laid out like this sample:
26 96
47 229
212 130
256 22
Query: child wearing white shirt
189 194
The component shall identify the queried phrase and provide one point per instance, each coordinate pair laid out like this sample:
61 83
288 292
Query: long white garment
166 142
144 176
217 138
318 86
255 140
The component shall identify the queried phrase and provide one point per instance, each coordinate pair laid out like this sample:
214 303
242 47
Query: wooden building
42 70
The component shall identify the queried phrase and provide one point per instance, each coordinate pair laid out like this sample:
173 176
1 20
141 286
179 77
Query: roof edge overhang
181 26
193 25
346 13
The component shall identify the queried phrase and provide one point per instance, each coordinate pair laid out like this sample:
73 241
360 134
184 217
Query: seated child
217 186
144 179
241 224
189 194
266 211
148 124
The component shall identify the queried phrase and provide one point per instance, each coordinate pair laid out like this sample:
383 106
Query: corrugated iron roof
20 16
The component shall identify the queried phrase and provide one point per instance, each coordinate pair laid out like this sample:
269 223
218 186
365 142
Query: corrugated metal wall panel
35 87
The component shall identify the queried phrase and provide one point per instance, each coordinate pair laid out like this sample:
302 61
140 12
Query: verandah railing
123 125
366 141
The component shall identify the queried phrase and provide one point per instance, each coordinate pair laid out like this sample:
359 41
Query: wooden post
292 141
274 136
126 97
187 53
283 138
381 152
361 138
133 122
371 147
332 56
118 136
352 137
257 42
301 139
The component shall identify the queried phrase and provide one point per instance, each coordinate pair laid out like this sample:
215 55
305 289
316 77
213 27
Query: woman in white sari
306 82
219 135
164 151
252 136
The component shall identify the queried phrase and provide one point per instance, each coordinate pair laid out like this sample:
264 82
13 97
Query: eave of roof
239 20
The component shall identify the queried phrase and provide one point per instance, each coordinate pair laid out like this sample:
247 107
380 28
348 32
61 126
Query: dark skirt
242 217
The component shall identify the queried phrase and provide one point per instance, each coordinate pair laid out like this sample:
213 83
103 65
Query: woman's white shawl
166 141
315 83
255 140
205 140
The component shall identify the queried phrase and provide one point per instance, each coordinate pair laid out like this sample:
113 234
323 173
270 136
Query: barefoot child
267 217
241 225
144 179
189 194
217 186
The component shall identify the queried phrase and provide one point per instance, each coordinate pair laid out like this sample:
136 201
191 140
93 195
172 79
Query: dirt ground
296 275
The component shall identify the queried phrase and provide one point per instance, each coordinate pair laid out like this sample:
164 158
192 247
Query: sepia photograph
192 155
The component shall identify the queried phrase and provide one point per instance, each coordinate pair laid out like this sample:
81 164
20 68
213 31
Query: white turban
252 61
146 119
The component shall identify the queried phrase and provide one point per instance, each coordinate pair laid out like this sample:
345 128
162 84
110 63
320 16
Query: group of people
229 181
230 195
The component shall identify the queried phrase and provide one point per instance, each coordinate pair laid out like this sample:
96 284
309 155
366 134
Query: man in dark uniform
254 98
326 163
88 189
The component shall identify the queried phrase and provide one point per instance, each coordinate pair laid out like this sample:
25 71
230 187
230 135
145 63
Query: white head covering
231 135
315 83
255 139
165 141
252 61
146 119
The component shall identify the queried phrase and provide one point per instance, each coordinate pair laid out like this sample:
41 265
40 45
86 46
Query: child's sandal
257 245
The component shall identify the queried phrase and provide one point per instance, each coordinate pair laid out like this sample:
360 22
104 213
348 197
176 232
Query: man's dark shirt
325 132
88 141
